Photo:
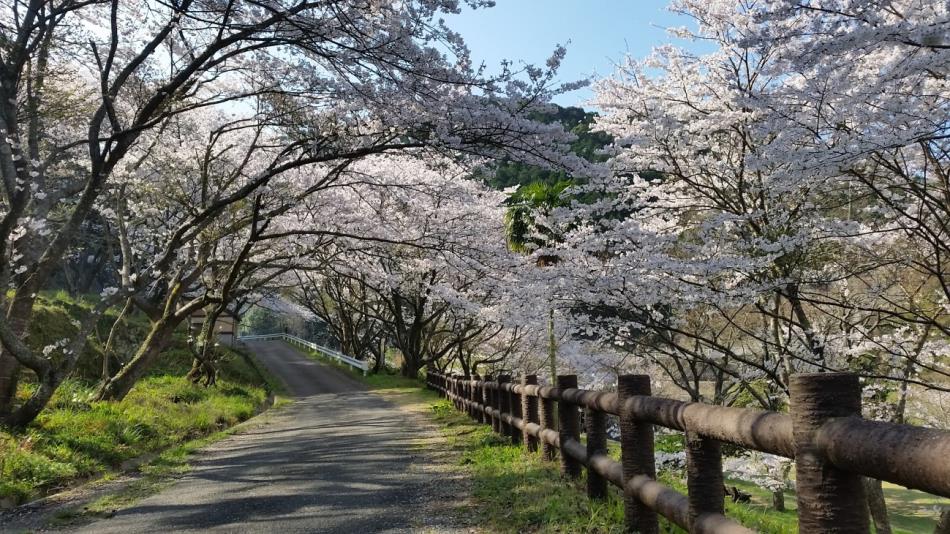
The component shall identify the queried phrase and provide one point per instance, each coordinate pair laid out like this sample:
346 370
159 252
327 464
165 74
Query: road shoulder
447 505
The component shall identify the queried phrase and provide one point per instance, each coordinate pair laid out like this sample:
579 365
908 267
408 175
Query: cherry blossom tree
427 241
352 311
88 89
775 205
710 248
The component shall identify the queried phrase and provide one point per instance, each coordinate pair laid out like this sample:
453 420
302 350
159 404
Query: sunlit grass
76 438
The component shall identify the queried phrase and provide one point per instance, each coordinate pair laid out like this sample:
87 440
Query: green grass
517 491
75 438
155 475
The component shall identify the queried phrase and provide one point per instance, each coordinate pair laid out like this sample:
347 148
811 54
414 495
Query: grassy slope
75 438
518 492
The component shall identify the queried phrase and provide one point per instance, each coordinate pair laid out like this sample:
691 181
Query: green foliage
537 196
669 443
156 475
587 145
260 320
22 470
75 438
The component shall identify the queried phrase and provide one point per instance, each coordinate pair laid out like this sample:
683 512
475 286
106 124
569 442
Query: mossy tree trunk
157 340
19 314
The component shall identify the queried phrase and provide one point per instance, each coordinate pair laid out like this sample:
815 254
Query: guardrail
294 340
832 446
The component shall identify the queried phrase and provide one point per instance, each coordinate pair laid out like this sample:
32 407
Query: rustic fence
824 433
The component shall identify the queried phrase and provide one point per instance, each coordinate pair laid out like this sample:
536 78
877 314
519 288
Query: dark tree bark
19 314
778 500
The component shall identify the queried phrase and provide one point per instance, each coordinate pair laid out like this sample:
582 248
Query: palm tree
524 236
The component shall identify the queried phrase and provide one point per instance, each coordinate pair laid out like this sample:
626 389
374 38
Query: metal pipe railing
337 355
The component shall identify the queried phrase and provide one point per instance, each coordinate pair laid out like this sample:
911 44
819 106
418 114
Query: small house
225 328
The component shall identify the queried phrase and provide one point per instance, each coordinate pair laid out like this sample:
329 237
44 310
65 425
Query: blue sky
601 33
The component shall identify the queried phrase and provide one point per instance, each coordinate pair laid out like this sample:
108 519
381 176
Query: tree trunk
19 315
107 351
877 506
204 372
35 404
203 368
86 274
552 347
410 366
379 356
117 387
778 500
9 376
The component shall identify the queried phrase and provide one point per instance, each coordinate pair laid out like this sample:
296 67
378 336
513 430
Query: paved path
337 460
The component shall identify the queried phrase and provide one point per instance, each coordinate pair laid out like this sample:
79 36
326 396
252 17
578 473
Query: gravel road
339 459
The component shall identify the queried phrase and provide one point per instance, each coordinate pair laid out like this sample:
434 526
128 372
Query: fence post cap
567 381
824 377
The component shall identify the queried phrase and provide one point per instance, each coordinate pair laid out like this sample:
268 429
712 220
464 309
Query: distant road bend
337 460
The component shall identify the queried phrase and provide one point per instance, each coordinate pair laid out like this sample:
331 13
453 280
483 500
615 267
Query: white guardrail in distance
294 340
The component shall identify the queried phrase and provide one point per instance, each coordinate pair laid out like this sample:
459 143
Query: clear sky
601 32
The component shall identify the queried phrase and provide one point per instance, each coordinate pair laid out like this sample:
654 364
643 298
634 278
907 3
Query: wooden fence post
465 395
486 398
704 483
469 397
450 389
504 404
514 402
636 455
829 499
546 417
455 392
569 426
496 404
477 398
529 410
596 444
